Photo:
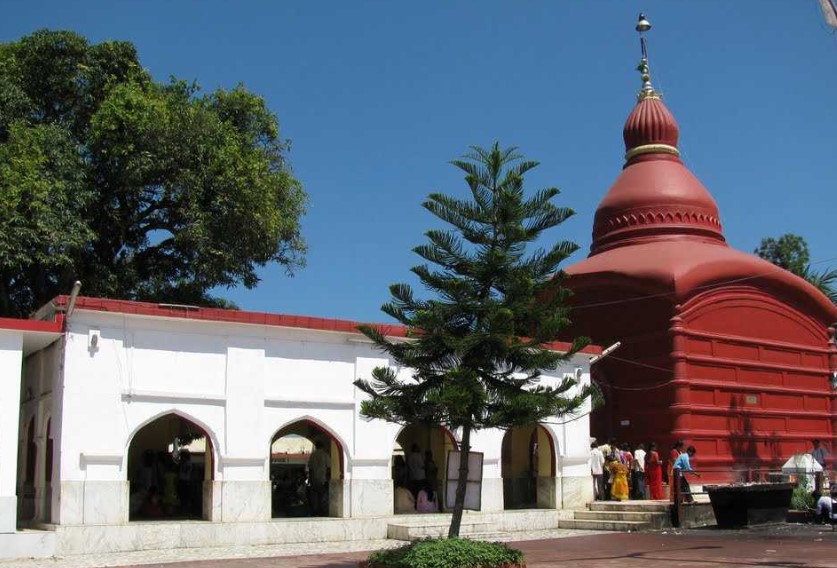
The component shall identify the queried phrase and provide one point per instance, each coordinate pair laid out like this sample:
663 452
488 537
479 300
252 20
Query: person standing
597 470
626 458
654 472
684 465
318 466
819 453
619 475
638 472
400 476
675 452
415 468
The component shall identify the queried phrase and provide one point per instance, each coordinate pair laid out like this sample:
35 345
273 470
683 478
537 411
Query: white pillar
11 360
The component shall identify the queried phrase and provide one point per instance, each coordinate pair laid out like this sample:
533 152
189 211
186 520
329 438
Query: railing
679 496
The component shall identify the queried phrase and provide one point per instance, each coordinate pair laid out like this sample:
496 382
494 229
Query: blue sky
377 97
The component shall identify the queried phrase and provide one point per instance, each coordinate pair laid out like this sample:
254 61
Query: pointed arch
165 480
319 424
307 481
449 435
210 433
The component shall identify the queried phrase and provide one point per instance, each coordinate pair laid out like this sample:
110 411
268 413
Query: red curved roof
655 196
683 267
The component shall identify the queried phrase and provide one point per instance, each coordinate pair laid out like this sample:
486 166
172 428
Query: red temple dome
650 124
656 197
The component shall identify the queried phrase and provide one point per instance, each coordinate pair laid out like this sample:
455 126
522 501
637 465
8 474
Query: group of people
416 481
620 474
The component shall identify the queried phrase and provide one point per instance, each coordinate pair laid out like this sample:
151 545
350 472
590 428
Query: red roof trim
29 325
243 317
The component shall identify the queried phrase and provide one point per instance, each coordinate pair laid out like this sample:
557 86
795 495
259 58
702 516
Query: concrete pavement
802 546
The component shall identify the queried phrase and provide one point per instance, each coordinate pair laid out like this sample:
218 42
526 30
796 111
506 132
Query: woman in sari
619 472
654 473
675 452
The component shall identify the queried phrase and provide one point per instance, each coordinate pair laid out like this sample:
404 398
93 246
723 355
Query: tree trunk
462 483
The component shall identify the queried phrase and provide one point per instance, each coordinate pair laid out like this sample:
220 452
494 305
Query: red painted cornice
29 325
194 313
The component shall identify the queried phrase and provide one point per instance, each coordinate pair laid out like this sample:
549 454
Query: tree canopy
791 253
477 349
141 189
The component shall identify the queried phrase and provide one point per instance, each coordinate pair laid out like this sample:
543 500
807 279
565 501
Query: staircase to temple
625 516
475 525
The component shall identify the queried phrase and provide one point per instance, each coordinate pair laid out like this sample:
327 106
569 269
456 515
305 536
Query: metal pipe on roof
71 305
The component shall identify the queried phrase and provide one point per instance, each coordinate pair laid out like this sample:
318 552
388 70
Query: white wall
11 354
241 383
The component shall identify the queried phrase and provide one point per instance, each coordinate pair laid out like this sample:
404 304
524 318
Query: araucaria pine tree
475 352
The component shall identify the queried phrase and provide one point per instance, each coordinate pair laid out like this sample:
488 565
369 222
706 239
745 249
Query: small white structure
110 392
804 467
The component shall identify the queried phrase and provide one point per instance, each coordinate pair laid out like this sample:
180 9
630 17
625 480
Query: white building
94 404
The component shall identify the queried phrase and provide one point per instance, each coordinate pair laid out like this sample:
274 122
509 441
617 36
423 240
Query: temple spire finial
647 91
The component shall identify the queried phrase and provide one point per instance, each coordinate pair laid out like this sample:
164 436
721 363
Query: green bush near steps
801 499
447 553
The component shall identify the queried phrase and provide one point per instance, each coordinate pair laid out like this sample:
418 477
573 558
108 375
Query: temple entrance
169 460
418 463
306 469
528 468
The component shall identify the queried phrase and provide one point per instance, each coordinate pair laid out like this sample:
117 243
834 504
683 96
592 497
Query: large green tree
790 252
141 189
477 349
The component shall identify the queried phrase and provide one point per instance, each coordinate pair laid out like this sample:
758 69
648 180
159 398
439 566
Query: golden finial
647 91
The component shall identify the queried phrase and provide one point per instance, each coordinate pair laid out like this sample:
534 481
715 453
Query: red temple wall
757 379
742 376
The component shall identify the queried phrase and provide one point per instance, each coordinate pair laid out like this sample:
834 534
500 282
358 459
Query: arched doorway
30 459
306 471
169 460
528 468
418 461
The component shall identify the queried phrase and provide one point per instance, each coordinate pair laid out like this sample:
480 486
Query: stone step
651 519
430 529
643 516
602 525
488 536
632 506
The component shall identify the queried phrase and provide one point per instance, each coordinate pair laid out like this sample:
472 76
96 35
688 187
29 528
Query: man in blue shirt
819 453
684 464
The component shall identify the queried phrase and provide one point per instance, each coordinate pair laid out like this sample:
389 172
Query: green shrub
448 553
801 499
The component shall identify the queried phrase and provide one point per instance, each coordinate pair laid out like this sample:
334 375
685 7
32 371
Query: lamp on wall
93 341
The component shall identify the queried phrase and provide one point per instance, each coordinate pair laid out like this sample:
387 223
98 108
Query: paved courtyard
780 546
